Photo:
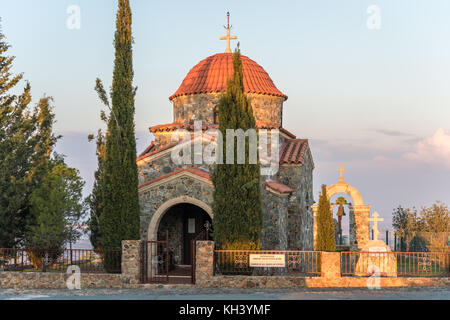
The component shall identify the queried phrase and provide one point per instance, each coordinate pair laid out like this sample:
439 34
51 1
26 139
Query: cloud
432 150
392 133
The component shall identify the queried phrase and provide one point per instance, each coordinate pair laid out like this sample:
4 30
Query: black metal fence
393 264
54 260
267 262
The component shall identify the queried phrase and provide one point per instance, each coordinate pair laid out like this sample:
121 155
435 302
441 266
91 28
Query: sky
374 100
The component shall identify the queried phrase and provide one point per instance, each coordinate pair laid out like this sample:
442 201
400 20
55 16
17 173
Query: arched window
216 115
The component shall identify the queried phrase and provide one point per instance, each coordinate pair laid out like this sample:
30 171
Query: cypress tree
95 200
325 226
120 218
237 196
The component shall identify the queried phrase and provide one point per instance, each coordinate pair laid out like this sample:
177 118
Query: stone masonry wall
275 217
188 108
51 280
152 198
300 215
131 261
204 258
149 170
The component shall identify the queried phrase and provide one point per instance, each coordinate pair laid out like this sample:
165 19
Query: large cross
375 221
341 169
228 37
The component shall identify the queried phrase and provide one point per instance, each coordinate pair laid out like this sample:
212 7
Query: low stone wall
49 280
330 276
253 282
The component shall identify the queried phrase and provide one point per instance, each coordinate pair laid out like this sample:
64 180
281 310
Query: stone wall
152 198
150 170
188 108
51 280
275 220
300 217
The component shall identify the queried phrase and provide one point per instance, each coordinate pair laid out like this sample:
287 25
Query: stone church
178 198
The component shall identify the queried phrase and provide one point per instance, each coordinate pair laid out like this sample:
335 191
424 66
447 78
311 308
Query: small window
216 115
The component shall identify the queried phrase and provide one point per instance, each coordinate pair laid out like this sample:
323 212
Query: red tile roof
293 151
211 74
196 171
279 187
154 150
150 148
174 126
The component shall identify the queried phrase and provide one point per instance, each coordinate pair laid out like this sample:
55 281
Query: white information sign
267 260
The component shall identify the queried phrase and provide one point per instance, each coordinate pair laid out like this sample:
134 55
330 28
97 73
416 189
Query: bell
341 211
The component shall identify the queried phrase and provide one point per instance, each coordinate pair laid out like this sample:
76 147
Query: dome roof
211 74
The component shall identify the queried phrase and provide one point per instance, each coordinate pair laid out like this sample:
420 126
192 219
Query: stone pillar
131 261
362 225
330 265
204 261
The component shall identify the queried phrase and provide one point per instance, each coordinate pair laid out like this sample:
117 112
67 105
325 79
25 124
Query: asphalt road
436 293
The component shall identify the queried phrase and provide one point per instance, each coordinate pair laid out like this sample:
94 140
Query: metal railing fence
296 263
58 260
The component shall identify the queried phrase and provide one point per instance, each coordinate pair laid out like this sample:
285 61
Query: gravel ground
433 293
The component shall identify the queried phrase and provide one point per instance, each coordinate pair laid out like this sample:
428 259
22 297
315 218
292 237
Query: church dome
210 75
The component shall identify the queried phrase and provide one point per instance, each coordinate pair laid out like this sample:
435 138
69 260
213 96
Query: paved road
441 293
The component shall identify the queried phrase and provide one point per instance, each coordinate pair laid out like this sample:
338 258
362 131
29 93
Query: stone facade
190 108
153 197
150 169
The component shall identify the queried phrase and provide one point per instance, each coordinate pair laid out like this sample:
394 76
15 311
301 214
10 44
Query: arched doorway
169 250
184 222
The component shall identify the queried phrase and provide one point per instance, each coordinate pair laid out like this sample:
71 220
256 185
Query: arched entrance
172 229
184 222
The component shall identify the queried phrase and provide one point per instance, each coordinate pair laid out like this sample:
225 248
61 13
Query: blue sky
376 101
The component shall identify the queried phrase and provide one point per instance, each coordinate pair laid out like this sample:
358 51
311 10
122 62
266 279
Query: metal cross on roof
228 37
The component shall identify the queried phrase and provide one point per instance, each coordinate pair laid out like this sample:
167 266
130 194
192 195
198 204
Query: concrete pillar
204 261
131 261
